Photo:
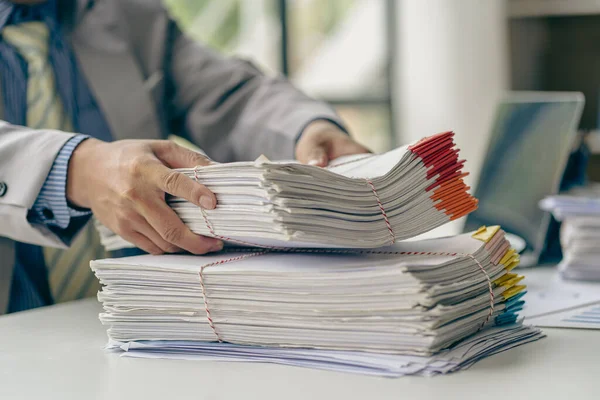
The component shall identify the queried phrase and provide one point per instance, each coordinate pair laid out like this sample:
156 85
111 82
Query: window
336 50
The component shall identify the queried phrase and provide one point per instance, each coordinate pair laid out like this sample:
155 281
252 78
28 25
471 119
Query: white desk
57 353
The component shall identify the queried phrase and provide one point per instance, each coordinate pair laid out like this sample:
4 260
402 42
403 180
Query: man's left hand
323 141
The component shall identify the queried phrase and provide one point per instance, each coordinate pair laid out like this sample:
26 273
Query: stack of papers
359 201
411 308
579 212
461 356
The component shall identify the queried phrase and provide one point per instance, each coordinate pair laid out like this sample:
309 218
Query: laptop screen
530 144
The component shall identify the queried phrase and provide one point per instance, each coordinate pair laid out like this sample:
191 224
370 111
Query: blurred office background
397 70
337 50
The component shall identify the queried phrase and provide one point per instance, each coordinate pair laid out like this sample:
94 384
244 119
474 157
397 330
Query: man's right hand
124 184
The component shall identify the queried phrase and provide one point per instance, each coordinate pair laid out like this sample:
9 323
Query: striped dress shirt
30 284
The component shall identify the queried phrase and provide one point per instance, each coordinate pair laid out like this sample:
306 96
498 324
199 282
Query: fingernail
313 162
207 202
217 246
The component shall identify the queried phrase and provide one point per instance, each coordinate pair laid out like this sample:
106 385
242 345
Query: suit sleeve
26 159
232 110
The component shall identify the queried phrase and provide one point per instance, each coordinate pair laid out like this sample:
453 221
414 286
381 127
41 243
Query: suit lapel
106 60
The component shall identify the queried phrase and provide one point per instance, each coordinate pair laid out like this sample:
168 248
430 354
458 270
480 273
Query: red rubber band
385 217
211 322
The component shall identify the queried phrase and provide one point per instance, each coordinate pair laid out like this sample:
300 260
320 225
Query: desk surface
57 353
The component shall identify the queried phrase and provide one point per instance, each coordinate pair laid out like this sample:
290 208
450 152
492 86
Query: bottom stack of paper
461 356
389 311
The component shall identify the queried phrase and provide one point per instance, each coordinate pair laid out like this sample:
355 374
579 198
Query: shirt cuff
51 206
334 121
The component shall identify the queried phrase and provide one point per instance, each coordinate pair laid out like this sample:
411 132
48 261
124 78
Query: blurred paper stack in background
579 212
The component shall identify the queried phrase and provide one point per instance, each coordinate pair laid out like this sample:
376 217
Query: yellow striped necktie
69 273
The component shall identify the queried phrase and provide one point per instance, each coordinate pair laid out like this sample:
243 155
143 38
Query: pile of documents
359 201
579 212
421 307
485 343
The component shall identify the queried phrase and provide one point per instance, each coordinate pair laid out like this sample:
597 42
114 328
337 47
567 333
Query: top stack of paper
579 212
361 201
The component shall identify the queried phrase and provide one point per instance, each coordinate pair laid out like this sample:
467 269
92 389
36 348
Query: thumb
316 155
176 156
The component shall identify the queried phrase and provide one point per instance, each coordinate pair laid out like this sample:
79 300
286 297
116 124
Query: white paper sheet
461 356
587 317
548 293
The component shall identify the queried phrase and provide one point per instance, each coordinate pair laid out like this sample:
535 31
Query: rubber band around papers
383 213
211 322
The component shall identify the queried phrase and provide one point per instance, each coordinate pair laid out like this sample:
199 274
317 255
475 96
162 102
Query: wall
452 69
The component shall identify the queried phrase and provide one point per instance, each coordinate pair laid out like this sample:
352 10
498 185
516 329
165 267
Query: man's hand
124 183
323 141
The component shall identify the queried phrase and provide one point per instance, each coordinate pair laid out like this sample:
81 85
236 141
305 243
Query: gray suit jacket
149 80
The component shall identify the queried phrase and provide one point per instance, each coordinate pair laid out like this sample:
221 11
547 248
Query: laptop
532 138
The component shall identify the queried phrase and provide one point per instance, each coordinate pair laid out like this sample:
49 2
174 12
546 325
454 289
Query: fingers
144 228
322 142
162 225
130 194
179 185
317 156
175 156
141 242
168 225
132 226
312 151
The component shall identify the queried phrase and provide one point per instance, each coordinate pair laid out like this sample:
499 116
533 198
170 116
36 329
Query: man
122 76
